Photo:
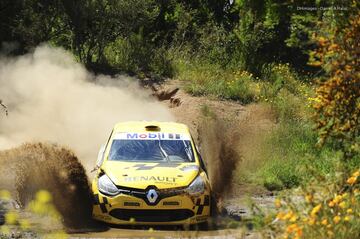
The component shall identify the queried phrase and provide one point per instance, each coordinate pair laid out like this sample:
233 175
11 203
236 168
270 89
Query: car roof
139 126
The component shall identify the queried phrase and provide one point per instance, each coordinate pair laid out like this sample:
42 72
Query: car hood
141 175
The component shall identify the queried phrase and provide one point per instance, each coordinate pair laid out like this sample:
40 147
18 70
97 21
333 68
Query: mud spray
219 143
51 98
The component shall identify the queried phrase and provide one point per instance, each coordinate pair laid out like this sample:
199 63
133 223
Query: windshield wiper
188 151
163 152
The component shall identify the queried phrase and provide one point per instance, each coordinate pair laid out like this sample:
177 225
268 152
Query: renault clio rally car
151 173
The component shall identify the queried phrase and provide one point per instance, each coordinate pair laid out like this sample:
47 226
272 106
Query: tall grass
203 78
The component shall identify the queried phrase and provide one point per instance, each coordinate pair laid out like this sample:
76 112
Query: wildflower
336 219
308 198
356 174
293 218
331 203
288 215
11 218
337 199
346 218
315 210
324 222
349 211
277 203
342 205
311 221
351 180
24 224
291 228
4 194
280 216
43 196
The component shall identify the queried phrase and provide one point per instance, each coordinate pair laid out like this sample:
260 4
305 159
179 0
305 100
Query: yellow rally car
151 173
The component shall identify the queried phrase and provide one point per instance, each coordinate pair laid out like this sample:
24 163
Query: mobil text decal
151 136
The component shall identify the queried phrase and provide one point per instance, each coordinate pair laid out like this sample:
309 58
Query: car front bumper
175 210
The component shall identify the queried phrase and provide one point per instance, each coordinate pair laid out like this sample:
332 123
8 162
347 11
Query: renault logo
152 195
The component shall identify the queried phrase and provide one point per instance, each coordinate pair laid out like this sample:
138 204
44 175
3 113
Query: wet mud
39 166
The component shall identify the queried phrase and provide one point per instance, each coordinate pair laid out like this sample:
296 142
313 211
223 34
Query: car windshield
151 150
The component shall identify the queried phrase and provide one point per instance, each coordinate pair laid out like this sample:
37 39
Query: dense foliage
338 97
136 36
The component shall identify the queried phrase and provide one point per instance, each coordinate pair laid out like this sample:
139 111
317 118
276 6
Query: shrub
136 56
326 209
213 80
290 157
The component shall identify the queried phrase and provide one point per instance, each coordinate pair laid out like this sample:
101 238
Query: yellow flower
311 221
346 218
308 198
344 195
291 228
11 218
349 211
4 194
315 210
331 203
277 203
337 199
336 219
342 205
351 180
288 215
356 174
324 222
293 218
280 216
24 224
43 196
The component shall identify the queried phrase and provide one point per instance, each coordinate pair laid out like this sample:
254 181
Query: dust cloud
52 98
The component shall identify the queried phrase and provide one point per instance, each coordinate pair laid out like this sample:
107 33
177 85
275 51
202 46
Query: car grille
141 193
152 215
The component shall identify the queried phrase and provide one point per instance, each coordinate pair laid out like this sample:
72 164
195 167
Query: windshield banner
151 136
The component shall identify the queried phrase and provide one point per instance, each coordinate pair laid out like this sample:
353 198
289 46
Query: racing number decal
101 204
201 206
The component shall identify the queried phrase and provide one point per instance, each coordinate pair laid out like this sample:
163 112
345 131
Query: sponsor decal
199 207
150 178
142 166
151 136
132 204
171 203
102 202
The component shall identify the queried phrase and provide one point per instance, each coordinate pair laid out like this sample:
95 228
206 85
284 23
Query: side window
101 153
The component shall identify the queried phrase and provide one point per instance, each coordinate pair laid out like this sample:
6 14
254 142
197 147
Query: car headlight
196 187
106 186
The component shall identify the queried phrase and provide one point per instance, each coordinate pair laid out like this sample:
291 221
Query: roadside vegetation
303 64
